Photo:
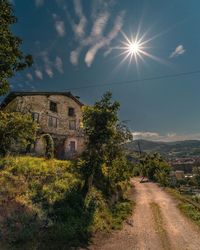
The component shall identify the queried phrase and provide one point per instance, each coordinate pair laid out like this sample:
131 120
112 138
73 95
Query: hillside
167 149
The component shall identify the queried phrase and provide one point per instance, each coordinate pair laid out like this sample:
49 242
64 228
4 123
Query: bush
17 131
49 154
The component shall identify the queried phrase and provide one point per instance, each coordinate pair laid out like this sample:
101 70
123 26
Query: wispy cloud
107 52
39 74
105 41
99 24
179 50
60 28
79 28
96 39
59 64
169 137
49 71
39 3
48 65
29 76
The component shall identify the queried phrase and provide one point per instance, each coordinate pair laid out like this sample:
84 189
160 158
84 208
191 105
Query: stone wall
62 134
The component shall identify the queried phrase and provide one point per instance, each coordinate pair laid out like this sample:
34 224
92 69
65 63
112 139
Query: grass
159 225
42 206
188 207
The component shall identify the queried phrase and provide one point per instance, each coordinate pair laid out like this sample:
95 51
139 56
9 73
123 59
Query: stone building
57 113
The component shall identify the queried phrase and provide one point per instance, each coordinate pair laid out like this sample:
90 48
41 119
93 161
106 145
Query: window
72 125
53 106
35 116
72 146
53 122
71 112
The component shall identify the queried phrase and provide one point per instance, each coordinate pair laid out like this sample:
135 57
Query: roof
13 95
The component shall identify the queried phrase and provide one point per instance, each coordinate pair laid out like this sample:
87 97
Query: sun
134 48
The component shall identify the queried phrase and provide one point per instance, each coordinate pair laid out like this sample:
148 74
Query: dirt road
156 224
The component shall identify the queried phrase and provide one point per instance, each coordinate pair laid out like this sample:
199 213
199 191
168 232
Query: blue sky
76 43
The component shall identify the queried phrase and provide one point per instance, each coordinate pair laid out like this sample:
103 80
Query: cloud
105 41
107 52
99 24
39 3
39 74
179 50
169 137
60 28
59 64
49 71
74 55
29 76
79 28
96 39
47 64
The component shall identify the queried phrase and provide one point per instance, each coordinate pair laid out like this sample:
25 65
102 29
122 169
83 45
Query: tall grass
42 206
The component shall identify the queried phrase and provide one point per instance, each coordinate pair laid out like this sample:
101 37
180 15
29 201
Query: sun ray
136 48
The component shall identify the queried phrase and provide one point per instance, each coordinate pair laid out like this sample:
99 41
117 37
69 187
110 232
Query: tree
155 168
17 131
196 174
105 139
12 58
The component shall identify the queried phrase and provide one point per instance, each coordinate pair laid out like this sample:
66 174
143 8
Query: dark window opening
35 116
53 106
72 146
72 125
71 112
53 122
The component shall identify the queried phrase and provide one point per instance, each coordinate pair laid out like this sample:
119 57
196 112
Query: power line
137 80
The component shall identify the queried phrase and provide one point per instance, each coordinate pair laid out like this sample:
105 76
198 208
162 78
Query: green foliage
196 173
11 57
42 206
104 162
49 146
190 211
16 131
155 168
37 196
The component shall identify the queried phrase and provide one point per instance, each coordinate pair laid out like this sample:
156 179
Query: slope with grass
42 205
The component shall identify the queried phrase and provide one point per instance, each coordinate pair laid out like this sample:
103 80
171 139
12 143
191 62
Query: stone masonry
57 113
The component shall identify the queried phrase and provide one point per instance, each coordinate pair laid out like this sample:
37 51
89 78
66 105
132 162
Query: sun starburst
137 48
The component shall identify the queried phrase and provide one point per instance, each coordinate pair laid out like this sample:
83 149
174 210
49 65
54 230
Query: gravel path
156 224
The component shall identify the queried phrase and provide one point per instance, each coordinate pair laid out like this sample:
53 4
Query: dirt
156 224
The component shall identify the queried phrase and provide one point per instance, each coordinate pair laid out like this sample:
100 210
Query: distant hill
167 149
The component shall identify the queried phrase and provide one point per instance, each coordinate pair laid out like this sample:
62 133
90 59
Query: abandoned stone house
57 113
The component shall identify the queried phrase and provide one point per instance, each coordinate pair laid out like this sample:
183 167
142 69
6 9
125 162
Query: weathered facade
57 113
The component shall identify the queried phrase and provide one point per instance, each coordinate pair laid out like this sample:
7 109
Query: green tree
155 168
12 58
196 174
105 139
17 131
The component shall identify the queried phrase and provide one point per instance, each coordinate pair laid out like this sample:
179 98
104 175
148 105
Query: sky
79 43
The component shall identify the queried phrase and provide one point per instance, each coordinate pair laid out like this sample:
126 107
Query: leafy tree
155 168
104 154
196 173
12 58
17 131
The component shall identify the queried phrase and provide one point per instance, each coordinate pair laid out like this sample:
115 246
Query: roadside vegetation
41 204
60 204
154 168
187 205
